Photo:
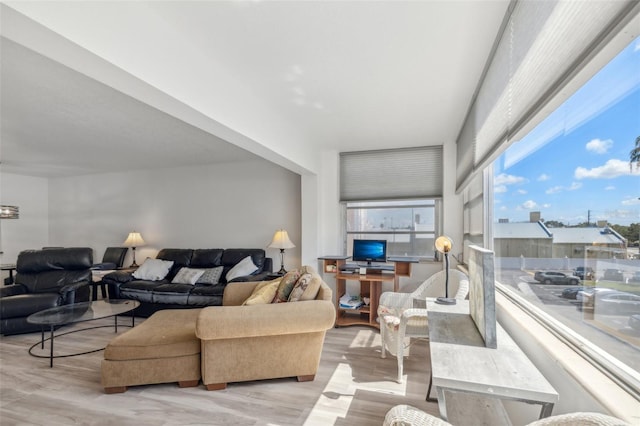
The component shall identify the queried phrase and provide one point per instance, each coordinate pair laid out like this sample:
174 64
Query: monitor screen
369 251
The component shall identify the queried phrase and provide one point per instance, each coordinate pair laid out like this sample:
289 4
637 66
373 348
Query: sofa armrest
68 291
118 277
12 290
249 278
232 322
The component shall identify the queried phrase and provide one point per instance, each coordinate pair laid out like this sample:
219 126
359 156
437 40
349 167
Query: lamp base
446 300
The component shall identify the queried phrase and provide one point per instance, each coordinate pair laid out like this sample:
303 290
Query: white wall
211 206
31 229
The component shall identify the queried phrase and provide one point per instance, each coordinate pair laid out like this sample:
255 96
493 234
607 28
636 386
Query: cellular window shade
543 47
391 174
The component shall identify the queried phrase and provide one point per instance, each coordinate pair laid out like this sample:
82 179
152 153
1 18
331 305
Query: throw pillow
263 293
286 285
299 288
242 268
153 269
312 289
187 276
210 275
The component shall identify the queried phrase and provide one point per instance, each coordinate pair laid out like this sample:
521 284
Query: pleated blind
543 46
391 174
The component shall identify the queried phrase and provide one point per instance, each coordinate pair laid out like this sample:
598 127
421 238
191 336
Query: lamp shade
134 240
281 240
443 244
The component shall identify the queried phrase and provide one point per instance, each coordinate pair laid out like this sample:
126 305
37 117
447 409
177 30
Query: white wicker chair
404 315
406 415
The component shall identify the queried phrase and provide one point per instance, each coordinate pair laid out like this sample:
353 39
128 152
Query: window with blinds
392 174
543 47
393 195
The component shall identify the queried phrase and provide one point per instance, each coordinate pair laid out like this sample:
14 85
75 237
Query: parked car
635 278
551 277
581 295
571 292
614 302
613 275
584 273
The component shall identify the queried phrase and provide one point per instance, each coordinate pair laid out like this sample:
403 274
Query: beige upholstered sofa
264 341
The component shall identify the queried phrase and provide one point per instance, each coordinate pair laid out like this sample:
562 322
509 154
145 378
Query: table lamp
134 240
281 241
443 245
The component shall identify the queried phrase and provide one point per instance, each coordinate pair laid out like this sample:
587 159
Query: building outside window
566 199
410 227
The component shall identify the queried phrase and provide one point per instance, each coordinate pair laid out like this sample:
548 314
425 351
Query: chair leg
400 353
103 290
383 352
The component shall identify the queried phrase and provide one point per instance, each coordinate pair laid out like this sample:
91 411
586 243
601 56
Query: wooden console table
461 363
370 287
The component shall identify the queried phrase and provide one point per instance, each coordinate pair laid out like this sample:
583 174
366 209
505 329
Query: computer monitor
369 251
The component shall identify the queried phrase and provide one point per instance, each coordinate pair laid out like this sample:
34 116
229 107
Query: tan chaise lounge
163 349
243 343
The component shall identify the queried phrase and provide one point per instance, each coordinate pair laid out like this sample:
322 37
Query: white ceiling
294 78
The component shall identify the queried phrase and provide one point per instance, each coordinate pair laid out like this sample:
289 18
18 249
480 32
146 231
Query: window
566 199
410 227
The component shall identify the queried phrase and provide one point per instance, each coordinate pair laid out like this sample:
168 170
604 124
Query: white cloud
631 202
543 177
611 169
503 208
529 204
505 179
499 189
609 188
521 191
599 146
557 189
574 186
546 205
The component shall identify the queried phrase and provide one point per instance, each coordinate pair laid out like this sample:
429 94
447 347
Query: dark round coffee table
79 312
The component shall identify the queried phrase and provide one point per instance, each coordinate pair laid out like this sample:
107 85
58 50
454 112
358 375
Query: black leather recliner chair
112 259
44 279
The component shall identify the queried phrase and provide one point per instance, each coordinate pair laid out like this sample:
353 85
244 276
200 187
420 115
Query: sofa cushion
206 295
206 258
171 293
166 334
210 276
287 283
153 269
231 257
242 268
263 293
187 276
179 257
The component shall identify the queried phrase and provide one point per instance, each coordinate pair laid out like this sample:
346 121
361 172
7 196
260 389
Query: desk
460 362
370 287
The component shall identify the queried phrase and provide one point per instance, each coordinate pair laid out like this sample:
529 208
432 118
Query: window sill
529 330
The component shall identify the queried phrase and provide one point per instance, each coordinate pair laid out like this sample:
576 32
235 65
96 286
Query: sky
575 164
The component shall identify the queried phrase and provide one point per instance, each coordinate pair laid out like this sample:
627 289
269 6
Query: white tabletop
459 360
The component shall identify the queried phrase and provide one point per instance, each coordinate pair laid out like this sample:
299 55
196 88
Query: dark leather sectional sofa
157 295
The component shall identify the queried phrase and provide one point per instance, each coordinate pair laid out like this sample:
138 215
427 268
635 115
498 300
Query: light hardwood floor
354 386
